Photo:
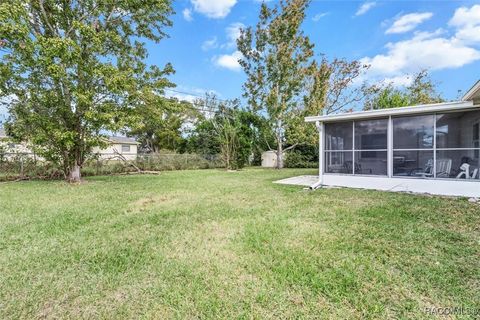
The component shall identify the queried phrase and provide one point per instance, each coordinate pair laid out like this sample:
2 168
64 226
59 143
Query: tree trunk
279 156
74 175
279 137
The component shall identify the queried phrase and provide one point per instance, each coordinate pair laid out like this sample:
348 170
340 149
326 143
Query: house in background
429 148
8 147
126 147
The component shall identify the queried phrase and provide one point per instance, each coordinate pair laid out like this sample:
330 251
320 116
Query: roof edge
426 108
475 90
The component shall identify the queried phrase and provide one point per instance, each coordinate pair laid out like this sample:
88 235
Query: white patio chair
465 171
474 174
444 167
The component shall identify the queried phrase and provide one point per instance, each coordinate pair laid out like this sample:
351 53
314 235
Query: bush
26 167
304 156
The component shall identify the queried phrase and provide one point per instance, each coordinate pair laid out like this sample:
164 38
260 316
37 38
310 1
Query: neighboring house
9 148
126 147
429 148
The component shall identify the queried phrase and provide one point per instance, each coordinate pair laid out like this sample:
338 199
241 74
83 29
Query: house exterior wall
115 148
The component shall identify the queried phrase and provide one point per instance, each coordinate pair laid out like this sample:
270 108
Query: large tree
284 81
276 59
73 70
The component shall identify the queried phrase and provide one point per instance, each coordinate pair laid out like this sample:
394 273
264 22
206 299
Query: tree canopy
422 90
75 69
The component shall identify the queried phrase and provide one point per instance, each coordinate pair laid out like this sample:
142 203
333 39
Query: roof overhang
428 108
473 93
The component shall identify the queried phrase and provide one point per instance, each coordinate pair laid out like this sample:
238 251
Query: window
371 147
413 132
339 136
125 148
358 147
413 140
457 149
339 147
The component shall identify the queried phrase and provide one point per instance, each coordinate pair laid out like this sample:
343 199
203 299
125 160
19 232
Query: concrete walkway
306 181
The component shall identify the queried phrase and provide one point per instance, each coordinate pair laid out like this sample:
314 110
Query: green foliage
160 124
230 132
304 156
422 90
277 60
73 70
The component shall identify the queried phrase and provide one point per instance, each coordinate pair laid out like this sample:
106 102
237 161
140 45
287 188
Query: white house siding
114 149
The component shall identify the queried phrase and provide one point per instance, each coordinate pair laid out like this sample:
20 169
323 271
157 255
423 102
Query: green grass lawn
215 244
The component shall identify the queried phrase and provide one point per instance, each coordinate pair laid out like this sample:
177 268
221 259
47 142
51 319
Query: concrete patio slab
305 181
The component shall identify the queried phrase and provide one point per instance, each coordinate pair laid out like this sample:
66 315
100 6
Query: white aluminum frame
390 150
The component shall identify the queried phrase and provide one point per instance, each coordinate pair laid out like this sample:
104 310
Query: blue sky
396 37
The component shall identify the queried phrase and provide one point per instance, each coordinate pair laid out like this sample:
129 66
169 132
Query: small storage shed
269 159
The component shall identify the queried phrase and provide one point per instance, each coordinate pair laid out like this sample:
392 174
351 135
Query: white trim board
437 187
384 113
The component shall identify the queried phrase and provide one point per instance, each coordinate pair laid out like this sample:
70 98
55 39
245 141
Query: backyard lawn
215 244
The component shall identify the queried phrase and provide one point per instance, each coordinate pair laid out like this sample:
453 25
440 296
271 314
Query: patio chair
444 168
465 172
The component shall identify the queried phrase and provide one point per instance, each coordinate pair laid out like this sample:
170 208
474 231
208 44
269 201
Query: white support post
353 148
434 164
390 147
321 150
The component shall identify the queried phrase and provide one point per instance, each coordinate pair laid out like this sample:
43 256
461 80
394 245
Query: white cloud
319 16
187 14
423 51
399 81
233 32
210 44
467 23
408 22
229 61
215 9
365 7
464 16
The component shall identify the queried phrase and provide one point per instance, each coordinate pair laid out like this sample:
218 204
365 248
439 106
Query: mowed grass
215 244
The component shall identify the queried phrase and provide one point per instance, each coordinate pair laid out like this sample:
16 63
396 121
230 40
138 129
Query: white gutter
428 108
